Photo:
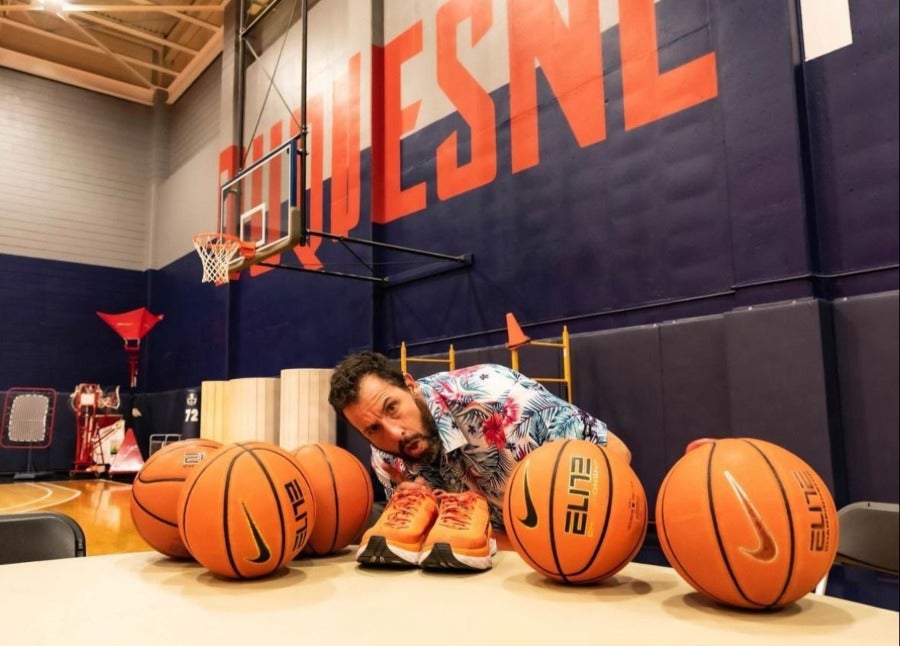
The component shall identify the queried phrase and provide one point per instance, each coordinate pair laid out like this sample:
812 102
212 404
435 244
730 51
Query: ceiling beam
195 67
71 42
76 77
68 7
113 55
137 33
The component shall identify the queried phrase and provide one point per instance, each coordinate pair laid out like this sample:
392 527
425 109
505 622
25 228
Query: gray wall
74 174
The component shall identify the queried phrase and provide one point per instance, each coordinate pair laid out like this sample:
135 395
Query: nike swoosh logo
531 518
766 549
263 550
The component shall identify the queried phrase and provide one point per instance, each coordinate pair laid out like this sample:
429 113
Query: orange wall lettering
229 158
392 201
571 60
471 100
649 95
315 114
345 195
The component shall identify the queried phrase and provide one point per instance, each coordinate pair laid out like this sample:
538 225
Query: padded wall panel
777 380
306 415
617 378
252 410
866 340
694 382
492 354
212 410
167 412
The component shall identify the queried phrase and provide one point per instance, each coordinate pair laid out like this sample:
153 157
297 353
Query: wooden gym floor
102 508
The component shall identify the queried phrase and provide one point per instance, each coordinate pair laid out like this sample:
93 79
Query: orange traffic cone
517 338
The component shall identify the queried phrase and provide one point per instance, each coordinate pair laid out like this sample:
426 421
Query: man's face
395 420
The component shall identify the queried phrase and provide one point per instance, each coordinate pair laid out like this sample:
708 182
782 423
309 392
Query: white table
145 598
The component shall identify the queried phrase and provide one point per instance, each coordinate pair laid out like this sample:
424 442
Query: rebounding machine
95 425
28 424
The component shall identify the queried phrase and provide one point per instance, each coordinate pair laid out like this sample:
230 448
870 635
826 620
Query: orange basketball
155 492
247 511
574 512
747 523
343 492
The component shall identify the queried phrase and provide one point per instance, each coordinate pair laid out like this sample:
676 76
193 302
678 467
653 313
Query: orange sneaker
461 538
396 538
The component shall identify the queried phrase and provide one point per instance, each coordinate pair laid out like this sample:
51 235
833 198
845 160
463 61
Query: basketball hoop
216 251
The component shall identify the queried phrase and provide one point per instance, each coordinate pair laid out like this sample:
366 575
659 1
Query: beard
429 437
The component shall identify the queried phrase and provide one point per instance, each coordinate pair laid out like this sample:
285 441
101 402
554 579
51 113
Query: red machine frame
92 425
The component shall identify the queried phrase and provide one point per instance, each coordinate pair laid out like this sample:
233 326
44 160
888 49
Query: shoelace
406 499
456 508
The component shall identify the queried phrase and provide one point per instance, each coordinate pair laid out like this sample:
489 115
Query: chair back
39 536
870 536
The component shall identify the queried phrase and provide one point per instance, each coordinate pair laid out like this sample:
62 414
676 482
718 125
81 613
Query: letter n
571 59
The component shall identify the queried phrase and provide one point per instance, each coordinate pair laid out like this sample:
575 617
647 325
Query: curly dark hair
350 371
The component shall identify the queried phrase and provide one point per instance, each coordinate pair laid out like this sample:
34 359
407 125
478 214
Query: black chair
39 536
870 532
869 537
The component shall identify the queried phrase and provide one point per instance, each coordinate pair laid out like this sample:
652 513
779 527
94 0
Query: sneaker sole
377 552
442 557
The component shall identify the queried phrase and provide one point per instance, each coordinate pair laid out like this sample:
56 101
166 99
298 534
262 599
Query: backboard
261 205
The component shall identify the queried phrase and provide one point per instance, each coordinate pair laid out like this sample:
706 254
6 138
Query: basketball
246 511
343 492
156 489
574 512
747 523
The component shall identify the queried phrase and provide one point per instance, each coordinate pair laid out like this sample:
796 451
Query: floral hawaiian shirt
488 417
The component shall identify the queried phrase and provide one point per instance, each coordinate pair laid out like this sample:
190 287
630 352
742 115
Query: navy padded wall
866 340
616 377
694 382
761 138
50 334
853 143
166 412
777 380
189 344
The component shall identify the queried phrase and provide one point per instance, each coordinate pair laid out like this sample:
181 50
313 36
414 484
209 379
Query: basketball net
216 250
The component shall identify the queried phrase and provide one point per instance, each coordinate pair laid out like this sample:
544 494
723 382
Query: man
452 432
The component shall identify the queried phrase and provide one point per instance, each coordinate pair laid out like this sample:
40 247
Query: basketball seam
337 501
187 495
310 499
171 448
630 557
158 480
609 498
152 515
790 517
293 461
225 534
664 536
250 451
550 525
719 540
518 543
